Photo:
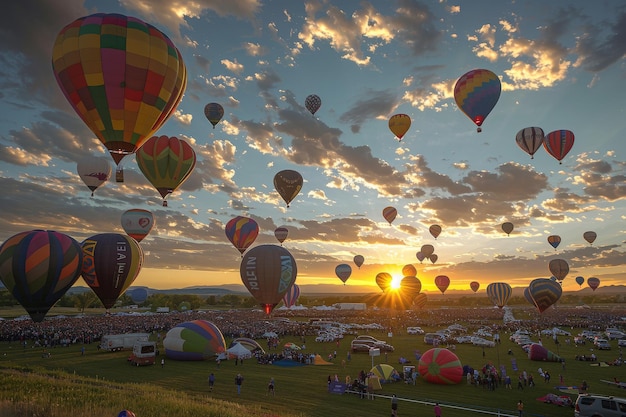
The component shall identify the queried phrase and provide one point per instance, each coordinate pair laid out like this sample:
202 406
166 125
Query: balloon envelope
358 260
166 162
111 262
399 124
474 285
580 280
559 268
442 282
343 272
590 236
214 113
291 296
38 267
593 283
420 256
544 293
390 213
410 286
313 103
137 223
507 227
383 280
94 171
440 366
242 232
434 257
499 293
420 300
537 352
281 234
530 140
559 143
138 295
409 270
194 341
554 241
476 93
126 413
268 271
427 250
122 76
288 184
435 230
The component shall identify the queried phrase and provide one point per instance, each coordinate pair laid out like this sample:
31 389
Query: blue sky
561 64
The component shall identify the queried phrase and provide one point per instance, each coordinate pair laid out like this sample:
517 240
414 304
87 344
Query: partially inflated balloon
427 250
507 227
537 352
94 171
399 124
268 271
343 272
593 283
499 293
440 366
281 234
409 270
580 281
590 237
442 282
358 260
559 143
383 280
194 341
476 93
122 76
474 285
313 103
242 232
544 293
214 113
554 241
559 268
291 296
38 267
137 223
390 213
288 184
435 230
166 162
530 140
111 262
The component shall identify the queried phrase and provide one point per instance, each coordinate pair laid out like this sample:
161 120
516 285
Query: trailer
115 342
144 353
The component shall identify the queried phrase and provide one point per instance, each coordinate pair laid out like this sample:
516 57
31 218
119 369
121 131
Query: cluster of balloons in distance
557 143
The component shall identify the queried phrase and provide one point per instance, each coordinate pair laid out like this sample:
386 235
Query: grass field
99 384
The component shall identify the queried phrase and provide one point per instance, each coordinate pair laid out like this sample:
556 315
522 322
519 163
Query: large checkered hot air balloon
476 93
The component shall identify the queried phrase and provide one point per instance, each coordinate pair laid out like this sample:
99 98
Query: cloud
602 45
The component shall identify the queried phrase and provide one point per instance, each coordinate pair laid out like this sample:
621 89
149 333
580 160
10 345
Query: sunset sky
561 64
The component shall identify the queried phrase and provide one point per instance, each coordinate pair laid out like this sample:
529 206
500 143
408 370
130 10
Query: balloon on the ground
138 295
268 271
476 93
442 282
194 341
383 280
507 227
499 293
474 285
313 103
38 267
440 366
122 76
358 260
435 230
281 233
214 113
137 223
544 293
399 124
554 241
288 184
590 236
390 213
385 372
242 232
343 272
559 268
111 262
94 171
537 352
559 143
530 140
593 283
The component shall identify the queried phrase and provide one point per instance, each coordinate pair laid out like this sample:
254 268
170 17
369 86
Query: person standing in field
520 408
394 406
437 410
211 381
270 387
238 382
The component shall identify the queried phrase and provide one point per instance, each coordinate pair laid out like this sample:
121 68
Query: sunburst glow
395 282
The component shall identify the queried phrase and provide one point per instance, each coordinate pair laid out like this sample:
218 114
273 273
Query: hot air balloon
528 297
440 366
111 262
288 184
313 103
122 76
559 268
268 271
435 230
507 227
291 296
476 93
544 293
420 300
590 237
420 256
433 258
358 260
242 232
194 341
499 293
409 270
427 250
137 223
554 241
166 162
383 280
442 282
390 213
138 295
474 285
126 413
281 234
214 113
580 281
559 143
410 286
530 140
343 272
38 267
399 124
537 352
593 283
94 171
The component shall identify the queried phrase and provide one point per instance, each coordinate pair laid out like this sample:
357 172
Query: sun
395 282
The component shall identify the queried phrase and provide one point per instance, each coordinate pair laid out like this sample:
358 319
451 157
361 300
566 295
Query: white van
592 405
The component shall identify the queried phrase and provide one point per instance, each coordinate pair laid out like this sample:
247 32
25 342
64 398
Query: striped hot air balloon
530 140
544 293
242 232
559 143
499 293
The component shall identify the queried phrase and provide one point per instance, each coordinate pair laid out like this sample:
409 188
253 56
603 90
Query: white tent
239 351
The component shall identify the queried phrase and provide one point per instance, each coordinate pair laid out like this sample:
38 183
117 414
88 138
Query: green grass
103 383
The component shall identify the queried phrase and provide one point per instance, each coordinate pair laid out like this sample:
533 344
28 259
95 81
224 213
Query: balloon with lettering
590 237
435 230
442 282
313 103
474 285
281 234
427 250
242 232
559 268
166 162
544 293
343 272
137 223
383 280
593 283
122 76
476 93
111 263
579 280
507 227
288 184
291 296
94 171
358 260
38 267
554 241
530 140
499 293
559 143
268 271
399 124
390 213
214 113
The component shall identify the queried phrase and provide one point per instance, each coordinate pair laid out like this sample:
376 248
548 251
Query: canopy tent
239 351
386 373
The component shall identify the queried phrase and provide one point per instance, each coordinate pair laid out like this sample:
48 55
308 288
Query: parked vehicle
433 338
603 344
592 405
115 342
144 353
414 330
621 342
612 334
